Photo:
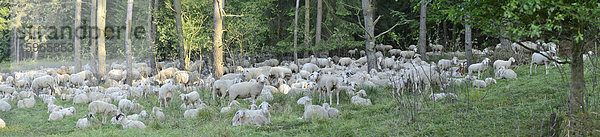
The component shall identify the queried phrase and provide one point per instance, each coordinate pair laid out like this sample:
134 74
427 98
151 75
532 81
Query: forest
302 68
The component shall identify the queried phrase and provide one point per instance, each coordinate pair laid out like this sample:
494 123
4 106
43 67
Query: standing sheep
76 80
247 89
45 82
165 94
190 99
220 88
478 67
479 84
104 108
538 59
85 121
312 111
502 63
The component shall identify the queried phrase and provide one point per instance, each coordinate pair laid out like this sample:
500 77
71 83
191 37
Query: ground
517 107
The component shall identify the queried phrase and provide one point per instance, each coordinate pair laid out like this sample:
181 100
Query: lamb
231 104
256 117
157 113
220 88
125 105
502 63
4 106
86 74
52 108
312 111
479 84
84 122
382 47
505 74
56 115
437 48
191 99
104 108
331 112
395 52
165 94
126 123
191 113
407 54
247 89
352 52
26 103
359 100
5 89
265 106
294 67
538 58
478 67
490 81
116 75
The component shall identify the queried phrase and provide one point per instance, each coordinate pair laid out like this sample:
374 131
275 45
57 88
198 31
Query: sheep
56 115
220 88
359 100
2 123
45 82
280 72
310 67
104 108
21 83
382 47
157 113
4 106
181 77
164 75
505 74
165 94
479 84
191 113
438 96
352 52
265 106
284 88
190 99
247 89
537 58
26 94
407 54
256 117
505 64
490 81
233 103
251 73
395 52
116 75
331 112
52 108
328 84
345 61
86 74
266 93
5 89
294 67
125 105
26 103
387 62
81 99
62 79
312 111
84 122
76 80
478 67
126 123
437 48
444 64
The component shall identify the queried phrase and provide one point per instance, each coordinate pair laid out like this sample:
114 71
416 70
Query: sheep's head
252 107
90 115
264 105
237 118
262 78
511 59
326 106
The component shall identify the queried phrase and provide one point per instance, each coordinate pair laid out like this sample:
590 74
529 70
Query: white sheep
81 99
479 84
444 64
84 122
220 88
181 77
310 67
328 84
126 123
45 82
478 67
505 74
280 72
438 96
233 103
247 89
52 108
502 63
190 99
104 108
164 75
266 93
125 105
345 61
26 103
331 112
312 111
265 106
165 94
490 81
2 123
359 100
284 88
538 59
77 80
157 113
255 117
4 106
56 115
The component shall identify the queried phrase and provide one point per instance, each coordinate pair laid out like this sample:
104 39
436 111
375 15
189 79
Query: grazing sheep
191 113
125 105
116 75
505 74
84 122
190 99
77 80
294 67
502 63
86 74
181 77
26 103
359 100
247 89
4 106
157 113
233 103
104 108
126 123
479 84
407 54
165 94
45 82
478 67
490 81
220 88
280 72
436 47
312 111
538 59
331 112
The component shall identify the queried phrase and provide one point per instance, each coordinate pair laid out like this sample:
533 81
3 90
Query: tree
468 42
319 21
306 26
150 35
423 30
296 32
93 36
128 40
180 40
76 40
101 14
218 37
369 27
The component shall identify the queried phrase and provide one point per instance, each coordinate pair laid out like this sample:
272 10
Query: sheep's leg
546 65
530 66
535 68
330 97
338 97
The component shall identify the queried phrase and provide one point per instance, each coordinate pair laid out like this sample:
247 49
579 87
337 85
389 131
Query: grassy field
518 107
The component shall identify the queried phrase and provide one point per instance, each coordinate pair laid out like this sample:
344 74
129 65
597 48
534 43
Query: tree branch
381 34
376 20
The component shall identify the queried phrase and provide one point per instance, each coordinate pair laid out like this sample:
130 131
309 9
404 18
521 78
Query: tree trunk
369 33
217 38
180 40
296 33
577 78
445 35
128 40
423 31
150 37
93 37
468 42
319 20
101 14
76 40
504 41
306 27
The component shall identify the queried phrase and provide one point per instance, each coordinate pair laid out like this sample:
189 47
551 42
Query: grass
518 107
